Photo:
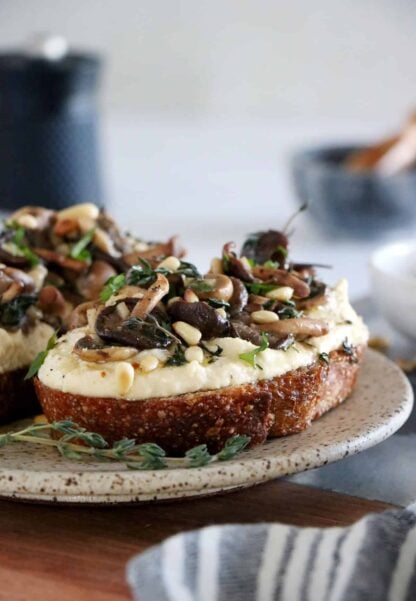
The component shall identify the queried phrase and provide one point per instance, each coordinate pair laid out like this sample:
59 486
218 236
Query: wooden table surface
80 553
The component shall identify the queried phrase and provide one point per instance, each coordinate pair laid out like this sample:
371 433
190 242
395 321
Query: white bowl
393 278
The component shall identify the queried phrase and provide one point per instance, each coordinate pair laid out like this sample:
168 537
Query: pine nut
123 310
264 316
149 363
194 353
174 299
188 333
172 264
221 311
79 211
125 377
28 221
284 293
190 296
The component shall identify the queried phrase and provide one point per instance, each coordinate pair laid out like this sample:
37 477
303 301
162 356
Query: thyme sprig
76 443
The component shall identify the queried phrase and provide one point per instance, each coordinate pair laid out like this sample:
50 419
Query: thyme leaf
112 286
39 360
178 356
79 250
324 358
21 248
251 356
201 286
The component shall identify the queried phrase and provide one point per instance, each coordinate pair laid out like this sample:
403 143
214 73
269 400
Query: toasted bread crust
276 407
17 396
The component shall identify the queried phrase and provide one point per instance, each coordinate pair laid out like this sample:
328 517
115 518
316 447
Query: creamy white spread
65 371
18 350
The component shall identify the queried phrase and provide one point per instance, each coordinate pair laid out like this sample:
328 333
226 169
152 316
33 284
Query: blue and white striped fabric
373 560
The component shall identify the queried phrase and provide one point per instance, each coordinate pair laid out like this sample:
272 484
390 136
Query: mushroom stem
152 296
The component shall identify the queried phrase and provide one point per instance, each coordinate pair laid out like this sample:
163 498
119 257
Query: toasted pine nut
125 376
149 363
264 317
221 311
28 221
79 211
194 353
170 263
284 293
190 296
188 333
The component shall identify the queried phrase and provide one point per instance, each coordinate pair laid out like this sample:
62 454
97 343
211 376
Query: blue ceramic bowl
357 205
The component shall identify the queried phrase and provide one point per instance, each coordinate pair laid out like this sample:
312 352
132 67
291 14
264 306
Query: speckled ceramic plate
380 404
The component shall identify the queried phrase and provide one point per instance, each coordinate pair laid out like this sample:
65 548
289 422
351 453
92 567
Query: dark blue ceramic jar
48 131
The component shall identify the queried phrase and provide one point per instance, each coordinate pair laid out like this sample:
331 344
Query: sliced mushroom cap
141 334
8 257
19 283
239 329
90 350
222 288
266 246
51 256
234 266
200 315
284 278
151 297
300 328
239 298
52 302
91 284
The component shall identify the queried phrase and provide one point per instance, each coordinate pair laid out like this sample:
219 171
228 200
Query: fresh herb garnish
251 356
79 251
143 274
288 310
213 354
76 442
39 360
21 248
218 303
112 286
350 350
178 357
201 286
324 358
13 313
260 288
188 270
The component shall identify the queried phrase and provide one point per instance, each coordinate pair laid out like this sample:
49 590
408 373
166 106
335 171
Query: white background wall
258 58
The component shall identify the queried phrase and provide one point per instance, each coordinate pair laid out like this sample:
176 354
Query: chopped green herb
282 250
251 356
213 354
79 251
112 286
188 270
201 286
218 304
271 264
324 358
21 248
350 350
143 274
178 357
40 358
260 288
288 311
13 313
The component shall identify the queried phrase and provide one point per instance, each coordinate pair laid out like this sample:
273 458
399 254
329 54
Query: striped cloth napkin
372 560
